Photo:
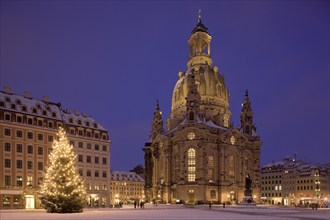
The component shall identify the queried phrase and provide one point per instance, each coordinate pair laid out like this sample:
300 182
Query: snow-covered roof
44 108
125 176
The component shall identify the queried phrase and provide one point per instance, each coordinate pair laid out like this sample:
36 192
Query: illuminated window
19 181
232 140
191 165
29 181
191 135
213 194
96 186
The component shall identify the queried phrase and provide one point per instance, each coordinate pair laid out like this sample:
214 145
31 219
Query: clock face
192 104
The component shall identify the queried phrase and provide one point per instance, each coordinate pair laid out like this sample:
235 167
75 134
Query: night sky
114 59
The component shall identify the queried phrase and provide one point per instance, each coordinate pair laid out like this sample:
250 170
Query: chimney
68 111
45 98
27 94
84 114
76 112
7 89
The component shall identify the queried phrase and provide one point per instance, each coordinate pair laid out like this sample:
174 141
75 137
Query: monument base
248 201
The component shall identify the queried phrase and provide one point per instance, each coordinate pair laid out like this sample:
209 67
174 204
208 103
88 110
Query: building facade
200 157
126 187
27 129
295 182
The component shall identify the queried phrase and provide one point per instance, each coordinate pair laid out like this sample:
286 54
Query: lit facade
200 156
295 182
27 129
126 187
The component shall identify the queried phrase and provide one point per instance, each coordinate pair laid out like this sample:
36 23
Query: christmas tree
62 190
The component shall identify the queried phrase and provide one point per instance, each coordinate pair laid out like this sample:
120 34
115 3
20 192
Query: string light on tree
63 189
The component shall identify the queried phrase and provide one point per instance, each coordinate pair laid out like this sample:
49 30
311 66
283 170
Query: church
200 157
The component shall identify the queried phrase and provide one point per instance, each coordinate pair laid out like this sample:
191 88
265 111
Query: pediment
234 137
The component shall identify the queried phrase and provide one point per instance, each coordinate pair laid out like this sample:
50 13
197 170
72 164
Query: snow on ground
174 212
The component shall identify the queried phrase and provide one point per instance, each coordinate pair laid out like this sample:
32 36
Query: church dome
214 102
212 89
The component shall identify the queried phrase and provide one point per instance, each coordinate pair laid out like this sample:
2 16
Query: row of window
271 188
89 146
271 182
89 173
96 186
29 135
19 164
19 148
24 108
126 184
19 181
30 121
271 177
44 112
89 159
127 189
50 124
271 194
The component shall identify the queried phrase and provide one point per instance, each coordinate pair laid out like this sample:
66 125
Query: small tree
62 190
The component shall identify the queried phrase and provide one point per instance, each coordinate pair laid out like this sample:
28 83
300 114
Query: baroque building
295 182
126 187
27 129
201 157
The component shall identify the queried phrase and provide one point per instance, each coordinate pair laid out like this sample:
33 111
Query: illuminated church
200 157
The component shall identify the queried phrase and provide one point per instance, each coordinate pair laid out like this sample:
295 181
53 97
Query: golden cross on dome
199 15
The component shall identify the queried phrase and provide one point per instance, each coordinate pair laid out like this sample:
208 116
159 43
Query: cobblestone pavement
174 212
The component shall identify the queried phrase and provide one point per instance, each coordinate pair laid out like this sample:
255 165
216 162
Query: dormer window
54 114
38 106
13 106
34 110
87 123
95 125
2 104
48 108
79 122
24 108
44 112
7 99
18 102
104 137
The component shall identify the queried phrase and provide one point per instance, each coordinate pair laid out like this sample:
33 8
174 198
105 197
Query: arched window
191 165
213 194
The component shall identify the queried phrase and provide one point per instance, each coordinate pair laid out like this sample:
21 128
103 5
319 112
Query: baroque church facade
200 156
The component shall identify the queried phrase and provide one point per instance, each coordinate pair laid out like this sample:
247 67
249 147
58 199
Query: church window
226 121
191 165
212 194
191 115
191 135
232 140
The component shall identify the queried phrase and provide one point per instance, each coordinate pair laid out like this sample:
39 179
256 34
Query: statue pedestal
248 199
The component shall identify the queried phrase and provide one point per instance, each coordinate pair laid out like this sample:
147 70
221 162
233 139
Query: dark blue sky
114 59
